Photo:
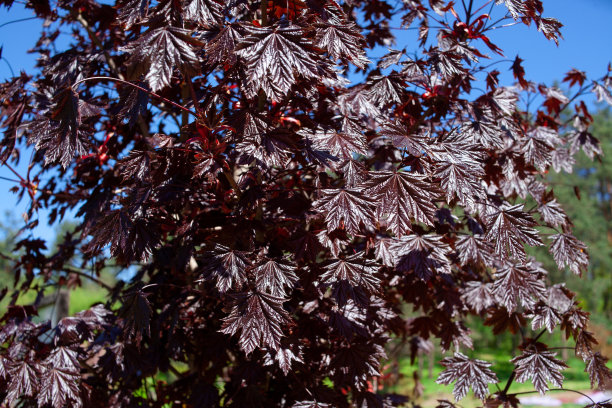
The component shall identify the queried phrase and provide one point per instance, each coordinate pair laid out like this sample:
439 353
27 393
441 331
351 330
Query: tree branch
151 93
90 277
94 38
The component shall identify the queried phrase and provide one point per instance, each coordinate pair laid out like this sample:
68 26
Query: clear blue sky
587 46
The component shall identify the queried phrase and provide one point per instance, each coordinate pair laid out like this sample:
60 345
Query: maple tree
277 211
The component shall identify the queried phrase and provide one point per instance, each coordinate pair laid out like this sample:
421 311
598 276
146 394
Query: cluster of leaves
276 217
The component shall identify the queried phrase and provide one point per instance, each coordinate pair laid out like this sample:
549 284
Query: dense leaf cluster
278 216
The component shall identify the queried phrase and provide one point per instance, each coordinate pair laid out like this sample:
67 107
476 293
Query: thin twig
233 183
90 277
96 40
464 7
538 336
17 21
264 13
151 93
9 179
9 65
508 383
469 13
194 97
492 25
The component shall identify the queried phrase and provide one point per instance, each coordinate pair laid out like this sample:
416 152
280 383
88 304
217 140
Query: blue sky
587 46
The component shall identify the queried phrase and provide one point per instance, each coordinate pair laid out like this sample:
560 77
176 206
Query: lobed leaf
467 373
159 51
540 366
259 319
403 197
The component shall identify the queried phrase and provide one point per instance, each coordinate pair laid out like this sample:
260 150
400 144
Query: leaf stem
264 12
194 97
19 176
509 382
469 12
483 6
232 182
538 336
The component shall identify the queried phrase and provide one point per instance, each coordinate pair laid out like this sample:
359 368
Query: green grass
81 298
84 297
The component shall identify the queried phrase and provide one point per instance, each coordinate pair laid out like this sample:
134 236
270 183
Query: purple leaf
568 251
510 228
342 42
228 267
159 51
259 319
539 366
599 373
275 277
467 373
518 282
274 57
59 387
345 209
403 197
24 381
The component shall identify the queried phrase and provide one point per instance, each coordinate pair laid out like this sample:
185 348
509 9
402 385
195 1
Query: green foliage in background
586 196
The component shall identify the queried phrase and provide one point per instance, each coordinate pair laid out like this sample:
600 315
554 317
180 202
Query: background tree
586 196
277 217
9 233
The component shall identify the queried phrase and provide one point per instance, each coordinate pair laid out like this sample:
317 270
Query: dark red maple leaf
274 56
568 251
228 267
519 72
275 277
259 318
342 42
540 366
598 371
516 282
346 209
60 136
24 381
510 228
157 53
467 373
403 197
574 76
59 387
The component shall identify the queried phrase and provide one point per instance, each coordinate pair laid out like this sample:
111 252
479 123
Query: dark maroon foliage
277 215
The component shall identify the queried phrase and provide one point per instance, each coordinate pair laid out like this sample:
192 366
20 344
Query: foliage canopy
277 213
